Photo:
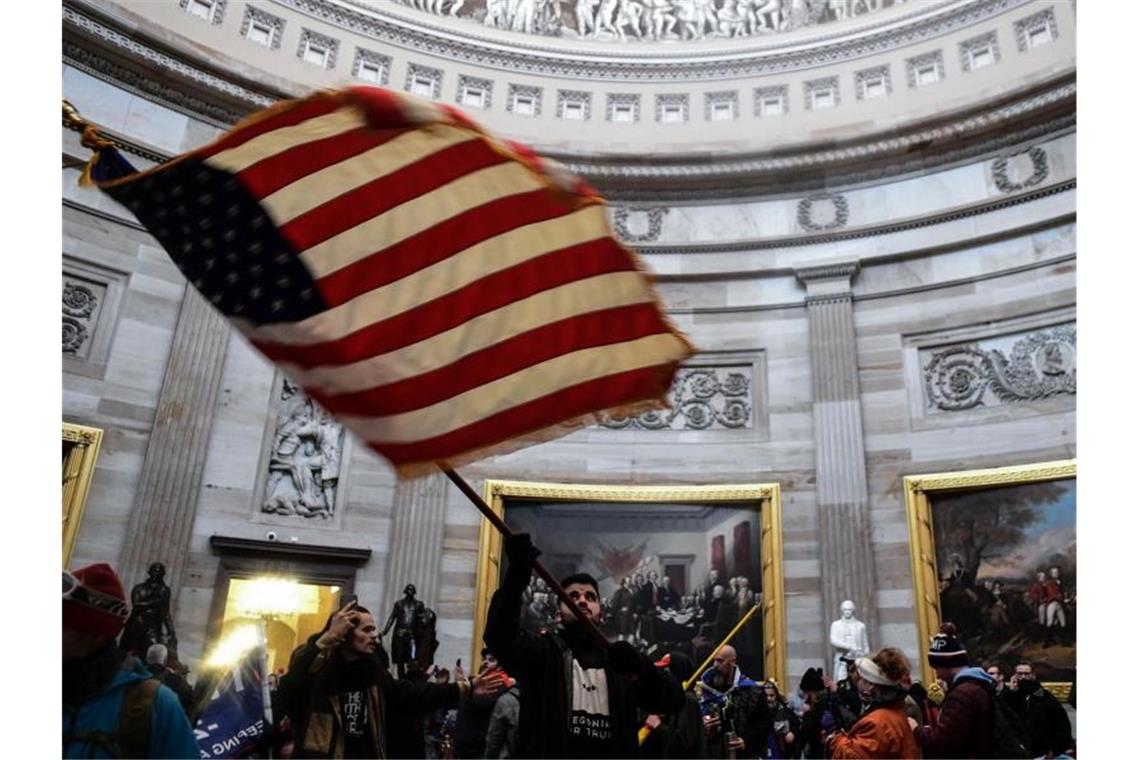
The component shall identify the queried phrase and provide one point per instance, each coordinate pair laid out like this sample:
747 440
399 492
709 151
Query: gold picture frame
765 497
80 449
923 552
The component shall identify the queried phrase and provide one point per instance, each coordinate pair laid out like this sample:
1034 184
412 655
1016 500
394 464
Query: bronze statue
150 622
405 614
426 643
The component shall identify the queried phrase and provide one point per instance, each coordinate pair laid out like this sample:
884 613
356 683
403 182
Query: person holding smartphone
338 690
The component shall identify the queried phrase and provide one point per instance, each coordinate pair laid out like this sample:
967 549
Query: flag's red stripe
602 393
599 328
486 294
277 171
289 117
383 193
440 241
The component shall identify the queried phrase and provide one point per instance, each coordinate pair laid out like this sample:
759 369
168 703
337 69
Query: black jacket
543 665
307 694
1044 719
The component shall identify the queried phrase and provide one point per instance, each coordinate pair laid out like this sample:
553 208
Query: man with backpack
972 722
112 706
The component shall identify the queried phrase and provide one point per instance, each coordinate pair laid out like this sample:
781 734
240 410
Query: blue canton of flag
234 720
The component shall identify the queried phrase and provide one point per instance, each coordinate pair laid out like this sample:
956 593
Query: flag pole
539 568
645 730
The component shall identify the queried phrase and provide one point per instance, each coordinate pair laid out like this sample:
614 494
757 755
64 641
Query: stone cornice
522 53
855 233
119 53
840 270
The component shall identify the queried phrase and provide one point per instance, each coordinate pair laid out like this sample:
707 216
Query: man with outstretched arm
580 699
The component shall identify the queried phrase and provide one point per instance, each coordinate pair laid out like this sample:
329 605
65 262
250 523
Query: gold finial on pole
71 116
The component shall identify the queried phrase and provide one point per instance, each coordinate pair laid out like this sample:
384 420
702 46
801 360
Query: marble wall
971 268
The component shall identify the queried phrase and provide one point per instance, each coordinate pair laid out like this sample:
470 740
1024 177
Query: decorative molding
701 398
1000 168
381 61
303 473
574 96
276 25
647 63
92 297
760 94
679 99
525 90
252 546
1038 365
654 216
435 75
805 207
829 298
1022 27
713 99
862 78
965 212
331 46
846 270
600 493
933 58
823 84
217 10
483 85
966 49
615 99
693 180
79 304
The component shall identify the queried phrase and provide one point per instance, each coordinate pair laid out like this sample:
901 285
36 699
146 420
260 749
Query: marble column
167 494
416 540
847 561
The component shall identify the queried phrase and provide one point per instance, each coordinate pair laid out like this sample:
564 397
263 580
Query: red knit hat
97 605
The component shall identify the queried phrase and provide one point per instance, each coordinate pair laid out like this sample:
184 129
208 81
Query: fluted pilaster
840 461
167 495
414 547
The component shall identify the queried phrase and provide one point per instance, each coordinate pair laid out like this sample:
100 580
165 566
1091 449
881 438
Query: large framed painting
677 566
995 552
80 450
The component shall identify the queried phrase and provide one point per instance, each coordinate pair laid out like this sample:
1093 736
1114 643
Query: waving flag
236 717
443 293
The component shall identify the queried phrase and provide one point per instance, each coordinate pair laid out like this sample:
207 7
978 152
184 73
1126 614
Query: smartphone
345 599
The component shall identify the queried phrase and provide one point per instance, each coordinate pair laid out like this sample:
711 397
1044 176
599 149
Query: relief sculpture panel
304 462
701 398
1007 369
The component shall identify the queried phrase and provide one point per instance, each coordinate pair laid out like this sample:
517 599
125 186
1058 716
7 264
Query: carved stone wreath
656 215
803 212
698 400
1040 171
1040 365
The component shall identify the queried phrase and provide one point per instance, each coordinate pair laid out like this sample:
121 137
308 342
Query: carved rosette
79 302
1039 162
701 399
1040 365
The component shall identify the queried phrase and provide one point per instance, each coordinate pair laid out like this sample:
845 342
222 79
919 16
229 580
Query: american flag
443 293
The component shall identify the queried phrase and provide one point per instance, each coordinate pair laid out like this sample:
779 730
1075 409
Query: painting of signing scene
1006 561
672 575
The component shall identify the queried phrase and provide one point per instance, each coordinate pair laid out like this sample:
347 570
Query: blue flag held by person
235 719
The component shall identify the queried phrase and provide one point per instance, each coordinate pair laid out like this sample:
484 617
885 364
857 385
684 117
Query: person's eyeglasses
74 590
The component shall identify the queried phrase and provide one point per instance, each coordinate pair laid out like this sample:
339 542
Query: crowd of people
562 691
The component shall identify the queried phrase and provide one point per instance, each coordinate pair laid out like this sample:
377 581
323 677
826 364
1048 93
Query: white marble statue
304 465
848 638
584 13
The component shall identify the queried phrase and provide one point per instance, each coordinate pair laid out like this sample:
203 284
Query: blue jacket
170 733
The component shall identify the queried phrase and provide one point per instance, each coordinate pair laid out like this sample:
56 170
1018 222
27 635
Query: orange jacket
882 732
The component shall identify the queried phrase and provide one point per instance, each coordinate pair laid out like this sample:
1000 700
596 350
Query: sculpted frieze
1014 369
701 398
651 20
304 463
